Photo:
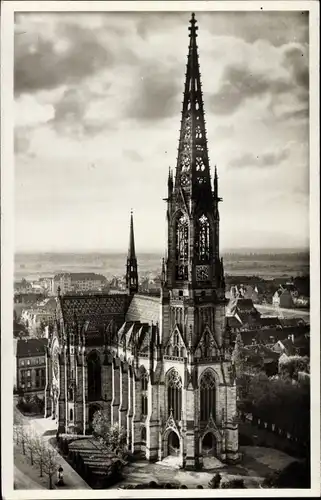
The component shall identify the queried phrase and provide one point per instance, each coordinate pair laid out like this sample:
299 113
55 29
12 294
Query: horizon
239 251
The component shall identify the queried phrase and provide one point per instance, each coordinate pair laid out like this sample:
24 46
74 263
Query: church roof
143 308
95 308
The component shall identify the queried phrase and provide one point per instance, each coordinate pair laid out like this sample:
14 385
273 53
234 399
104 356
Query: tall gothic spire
131 268
192 170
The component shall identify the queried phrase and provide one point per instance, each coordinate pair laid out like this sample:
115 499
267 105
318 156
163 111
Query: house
31 366
78 282
283 298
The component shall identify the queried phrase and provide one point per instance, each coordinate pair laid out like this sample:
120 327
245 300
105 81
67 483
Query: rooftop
31 347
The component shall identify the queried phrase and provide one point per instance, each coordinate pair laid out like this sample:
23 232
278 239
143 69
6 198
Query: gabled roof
97 309
143 308
31 347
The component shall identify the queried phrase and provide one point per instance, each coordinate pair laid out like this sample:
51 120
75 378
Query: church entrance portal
209 445
92 411
173 444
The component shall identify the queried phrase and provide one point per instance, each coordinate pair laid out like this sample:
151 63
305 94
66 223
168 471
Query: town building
31 366
37 317
78 282
158 366
243 318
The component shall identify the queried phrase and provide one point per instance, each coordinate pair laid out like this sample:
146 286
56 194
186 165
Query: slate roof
143 308
269 321
31 347
98 309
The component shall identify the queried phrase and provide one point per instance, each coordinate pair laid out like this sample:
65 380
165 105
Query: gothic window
71 415
207 395
174 394
144 405
198 132
182 238
203 242
144 435
200 167
94 377
144 387
186 163
144 380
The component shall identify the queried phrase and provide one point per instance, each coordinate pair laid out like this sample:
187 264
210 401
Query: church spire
192 170
131 268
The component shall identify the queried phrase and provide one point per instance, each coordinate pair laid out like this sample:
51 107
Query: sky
98 100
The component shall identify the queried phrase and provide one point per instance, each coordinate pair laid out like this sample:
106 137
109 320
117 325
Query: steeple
131 268
192 204
192 170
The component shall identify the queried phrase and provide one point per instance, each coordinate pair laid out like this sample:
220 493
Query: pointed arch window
207 396
144 388
94 377
174 394
182 227
203 242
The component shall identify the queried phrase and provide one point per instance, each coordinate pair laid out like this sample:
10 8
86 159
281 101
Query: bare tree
50 463
21 436
39 452
30 444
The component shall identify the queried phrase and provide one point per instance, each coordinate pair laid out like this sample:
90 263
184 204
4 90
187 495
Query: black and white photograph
160 222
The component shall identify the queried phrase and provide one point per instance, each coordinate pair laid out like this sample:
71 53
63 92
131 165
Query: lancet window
144 387
207 395
203 241
94 377
182 247
174 394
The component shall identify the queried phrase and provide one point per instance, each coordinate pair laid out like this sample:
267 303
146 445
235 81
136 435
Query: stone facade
159 367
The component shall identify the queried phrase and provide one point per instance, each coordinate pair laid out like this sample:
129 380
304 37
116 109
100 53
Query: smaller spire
131 267
215 183
131 247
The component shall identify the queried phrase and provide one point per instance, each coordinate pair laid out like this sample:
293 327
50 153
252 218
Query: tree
237 483
290 366
21 436
30 437
50 463
39 452
215 481
112 437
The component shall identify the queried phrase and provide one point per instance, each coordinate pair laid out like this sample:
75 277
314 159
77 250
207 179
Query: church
160 367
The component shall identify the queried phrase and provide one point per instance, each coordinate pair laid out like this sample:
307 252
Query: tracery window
207 395
174 394
182 247
203 242
94 377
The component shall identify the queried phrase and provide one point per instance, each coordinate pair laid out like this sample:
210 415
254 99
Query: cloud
74 116
21 140
242 81
155 95
276 27
267 159
64 57
132 155
239 84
